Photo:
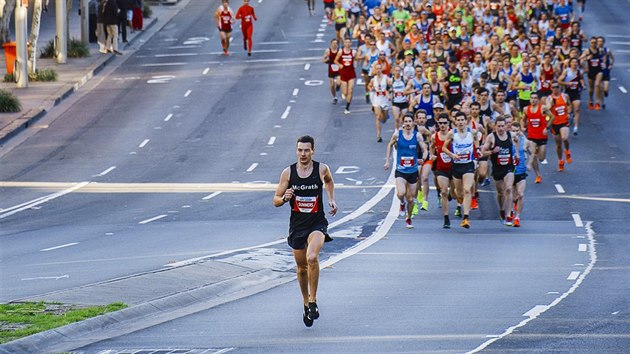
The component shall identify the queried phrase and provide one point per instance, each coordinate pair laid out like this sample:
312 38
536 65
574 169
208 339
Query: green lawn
19 320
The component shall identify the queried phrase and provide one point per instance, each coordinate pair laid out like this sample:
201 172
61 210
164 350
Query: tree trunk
32 40
68 11
5 19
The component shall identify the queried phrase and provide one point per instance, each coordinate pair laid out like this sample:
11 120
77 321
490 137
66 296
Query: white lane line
553 293
47 278
205 71
615 313
379 234
152 219
227 350
582 247
574 287
105 172
307 66
36 202
274 43
144 143
577 220
168 117
174 55
58 247
208 197
623 89
295 91
286 113
559 189
252 167
187 93
536 311
271 140
163 64
573 275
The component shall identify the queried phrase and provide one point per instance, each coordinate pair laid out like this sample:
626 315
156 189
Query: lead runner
301 186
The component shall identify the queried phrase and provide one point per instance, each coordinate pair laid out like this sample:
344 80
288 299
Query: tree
6 11
32 39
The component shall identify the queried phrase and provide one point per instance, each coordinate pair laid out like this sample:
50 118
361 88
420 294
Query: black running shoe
313 311
308 322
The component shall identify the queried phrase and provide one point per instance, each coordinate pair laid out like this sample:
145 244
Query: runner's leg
314 245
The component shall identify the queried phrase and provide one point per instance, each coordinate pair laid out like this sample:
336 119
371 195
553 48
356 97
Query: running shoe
465 224
447 223
474 204
597 107
603 104
335 100
420 197
308 322
379 140
408 224
507 222
517 222
343 97
575 131
560 165
591 106
485 182
567 153
313 311
402 210
249 54
414 212
425 205
367 98
458 211
538 179
347 111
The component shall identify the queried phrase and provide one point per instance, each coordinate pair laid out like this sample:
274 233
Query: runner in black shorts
301 185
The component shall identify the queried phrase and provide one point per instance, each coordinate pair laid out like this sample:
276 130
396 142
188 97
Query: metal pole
61 47
21 65
85 32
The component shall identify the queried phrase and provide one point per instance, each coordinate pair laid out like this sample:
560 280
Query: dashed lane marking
152 219
205 71
286 113
187 93
208 197
296 91
582 247
252 167
307 66
168 117
577 219
144 143
105 172
623 89
58 247
271 140
559 188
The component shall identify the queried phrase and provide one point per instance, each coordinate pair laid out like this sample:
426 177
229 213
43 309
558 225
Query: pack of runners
474 89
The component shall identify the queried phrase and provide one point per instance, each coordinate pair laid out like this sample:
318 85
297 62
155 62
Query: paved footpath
40 97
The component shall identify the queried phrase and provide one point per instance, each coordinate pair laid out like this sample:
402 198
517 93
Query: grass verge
23 319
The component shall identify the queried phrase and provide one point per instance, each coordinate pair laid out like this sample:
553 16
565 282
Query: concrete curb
79 334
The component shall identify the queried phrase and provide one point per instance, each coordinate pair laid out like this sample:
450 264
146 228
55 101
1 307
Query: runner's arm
283 192
330 187
390 145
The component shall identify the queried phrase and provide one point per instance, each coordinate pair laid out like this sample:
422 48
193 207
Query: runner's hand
386 166
333 207
288 194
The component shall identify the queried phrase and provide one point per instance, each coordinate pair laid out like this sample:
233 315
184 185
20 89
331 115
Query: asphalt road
177 113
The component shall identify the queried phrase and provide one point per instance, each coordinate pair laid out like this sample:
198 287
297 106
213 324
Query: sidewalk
40 97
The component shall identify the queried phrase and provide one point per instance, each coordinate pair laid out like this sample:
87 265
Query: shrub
8 102
43 75
76 49
147 12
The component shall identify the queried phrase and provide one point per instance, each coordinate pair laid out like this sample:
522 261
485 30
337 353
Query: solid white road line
152 219
271 140
559 189
578 220
168 117
208 197
536 311
623 89
58 247
286 113
42 200
573 275
105 172
205 71
47 278
582 247
144 143
252 167
187 93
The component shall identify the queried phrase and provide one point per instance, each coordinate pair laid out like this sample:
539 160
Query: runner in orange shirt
558 104
246 14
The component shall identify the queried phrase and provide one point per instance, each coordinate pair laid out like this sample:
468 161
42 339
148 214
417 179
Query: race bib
307 205
407 161
535 123
504 156
334 67
444 156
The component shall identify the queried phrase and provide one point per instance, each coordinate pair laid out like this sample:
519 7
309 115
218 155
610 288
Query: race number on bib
306 204
407 161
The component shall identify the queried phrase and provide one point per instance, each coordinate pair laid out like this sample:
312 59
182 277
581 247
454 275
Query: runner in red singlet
535 122
345 61
558 104
442 164
224 18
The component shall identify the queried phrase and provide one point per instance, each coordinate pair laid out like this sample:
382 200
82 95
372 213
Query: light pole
21 64
61 47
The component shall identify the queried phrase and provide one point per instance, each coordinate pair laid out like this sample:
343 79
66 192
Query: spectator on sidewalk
122 19
110 20
100 26
136 21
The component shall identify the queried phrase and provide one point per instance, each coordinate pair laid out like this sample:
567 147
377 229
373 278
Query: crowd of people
474 89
